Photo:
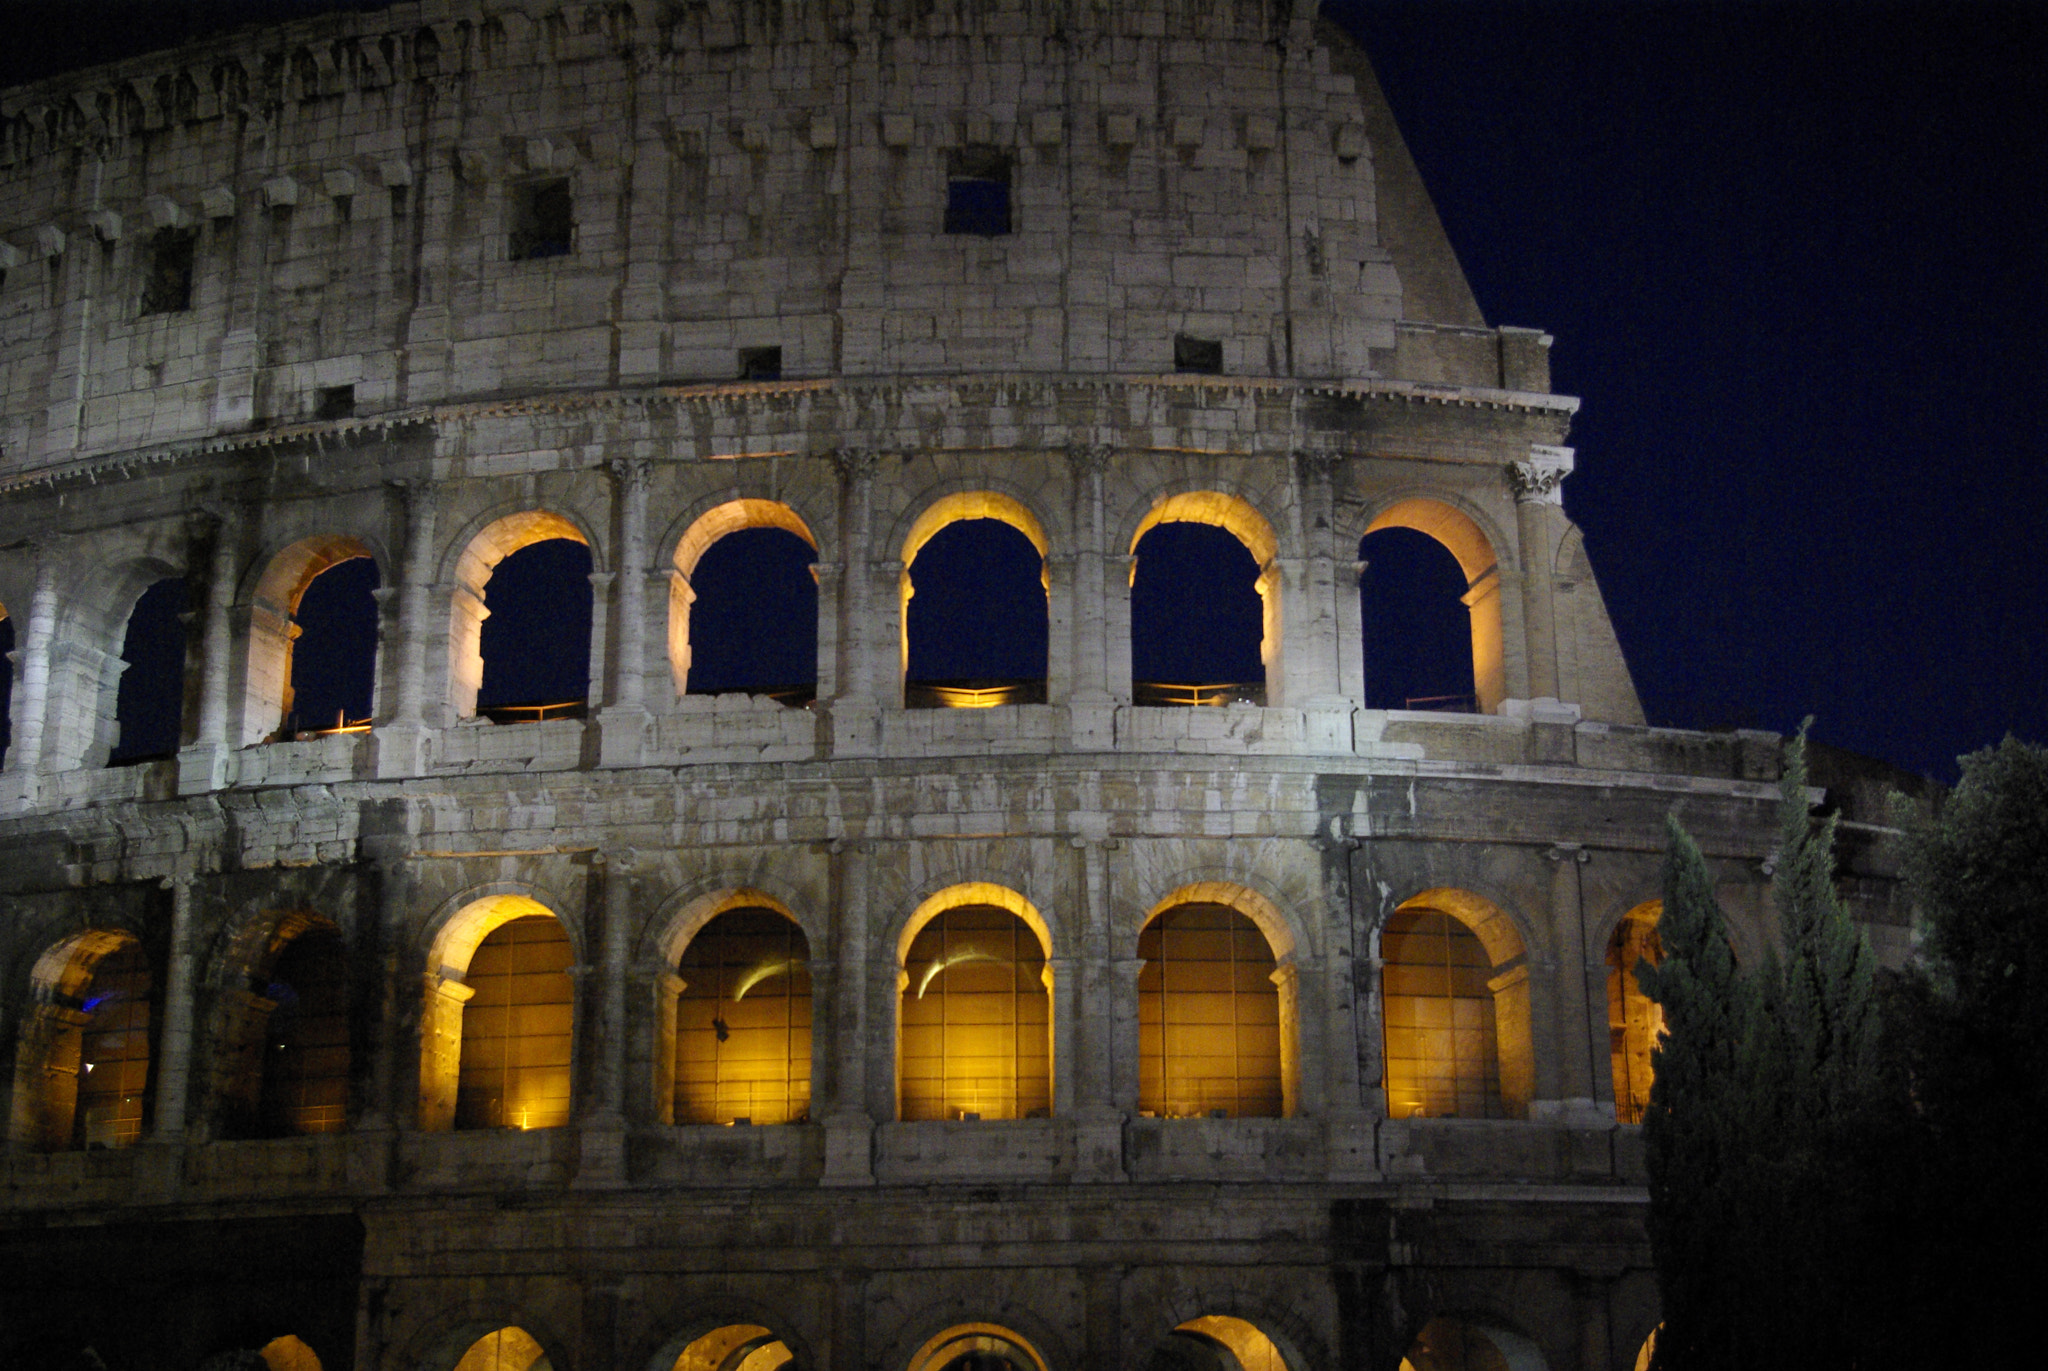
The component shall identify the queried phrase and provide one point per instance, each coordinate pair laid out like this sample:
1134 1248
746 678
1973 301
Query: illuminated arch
732 1347
90 1012
732 516
449 1090
998 1345
1478 558
1210 1017
739 1024
1212 1342
477 558
1236 516
934 519
511 1348
1634 1022
272 602
974 1007
1450 1343
1455 1005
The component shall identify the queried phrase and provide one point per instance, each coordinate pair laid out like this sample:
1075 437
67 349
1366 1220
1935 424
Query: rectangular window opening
978 192
761 364
168 287
542 222
1197 356
336 402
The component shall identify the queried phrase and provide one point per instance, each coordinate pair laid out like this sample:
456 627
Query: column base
849 1150
601 1163
1352 1145
203 767
1099 1147
854 728
399 750
1091 725
622 736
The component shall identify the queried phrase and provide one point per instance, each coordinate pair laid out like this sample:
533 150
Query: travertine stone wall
740 176
748 175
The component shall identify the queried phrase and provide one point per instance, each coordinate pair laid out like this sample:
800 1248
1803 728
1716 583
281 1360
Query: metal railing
1175 695
977 693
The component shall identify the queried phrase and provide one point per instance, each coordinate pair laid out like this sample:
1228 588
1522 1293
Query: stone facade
349 195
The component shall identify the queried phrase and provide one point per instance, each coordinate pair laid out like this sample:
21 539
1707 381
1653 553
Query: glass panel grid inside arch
516 1031
1441 1035
976 1026
1208 1017
743 1023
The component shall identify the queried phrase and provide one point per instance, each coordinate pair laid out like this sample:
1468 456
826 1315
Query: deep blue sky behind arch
1793 256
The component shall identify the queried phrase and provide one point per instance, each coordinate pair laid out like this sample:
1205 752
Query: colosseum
858 1014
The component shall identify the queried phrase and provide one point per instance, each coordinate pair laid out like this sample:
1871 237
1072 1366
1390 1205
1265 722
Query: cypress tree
1757 1205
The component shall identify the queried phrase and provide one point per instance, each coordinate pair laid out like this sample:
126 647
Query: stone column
855 708
32 683
850 1118
622 727
202 766
1539 513
610 1095
1309 600
1098 1122
1578 1058
400 742
174 1043
1090 694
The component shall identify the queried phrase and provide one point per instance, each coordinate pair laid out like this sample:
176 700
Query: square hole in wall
1199 356
761 364
167 289
978 191
335 402
542 219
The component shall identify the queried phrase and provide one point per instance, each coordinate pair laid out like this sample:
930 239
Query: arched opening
1447 1344
974 604
305 1069
735 1347
334 658
1453 530
149 708
288 1353
312 641
519 629
1218 1342
1455 997
82 1076
1205 603
743 606
505 1349
975 1010
743 1022
977 1347
1634 1021
497 1031
1208 1017
1417 627
516 1030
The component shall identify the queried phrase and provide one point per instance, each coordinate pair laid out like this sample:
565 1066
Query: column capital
1089 459
856 463
1316 464
1539 478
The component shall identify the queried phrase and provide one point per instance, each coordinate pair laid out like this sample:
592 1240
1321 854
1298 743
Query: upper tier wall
225 236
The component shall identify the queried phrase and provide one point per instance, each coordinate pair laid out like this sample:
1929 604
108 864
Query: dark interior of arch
334 660
150 707
1196 616
754 623
978 617
306 1047
6 695
1418 633
536 642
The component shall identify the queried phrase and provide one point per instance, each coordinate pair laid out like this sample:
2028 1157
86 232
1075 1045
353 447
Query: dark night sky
1794 258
